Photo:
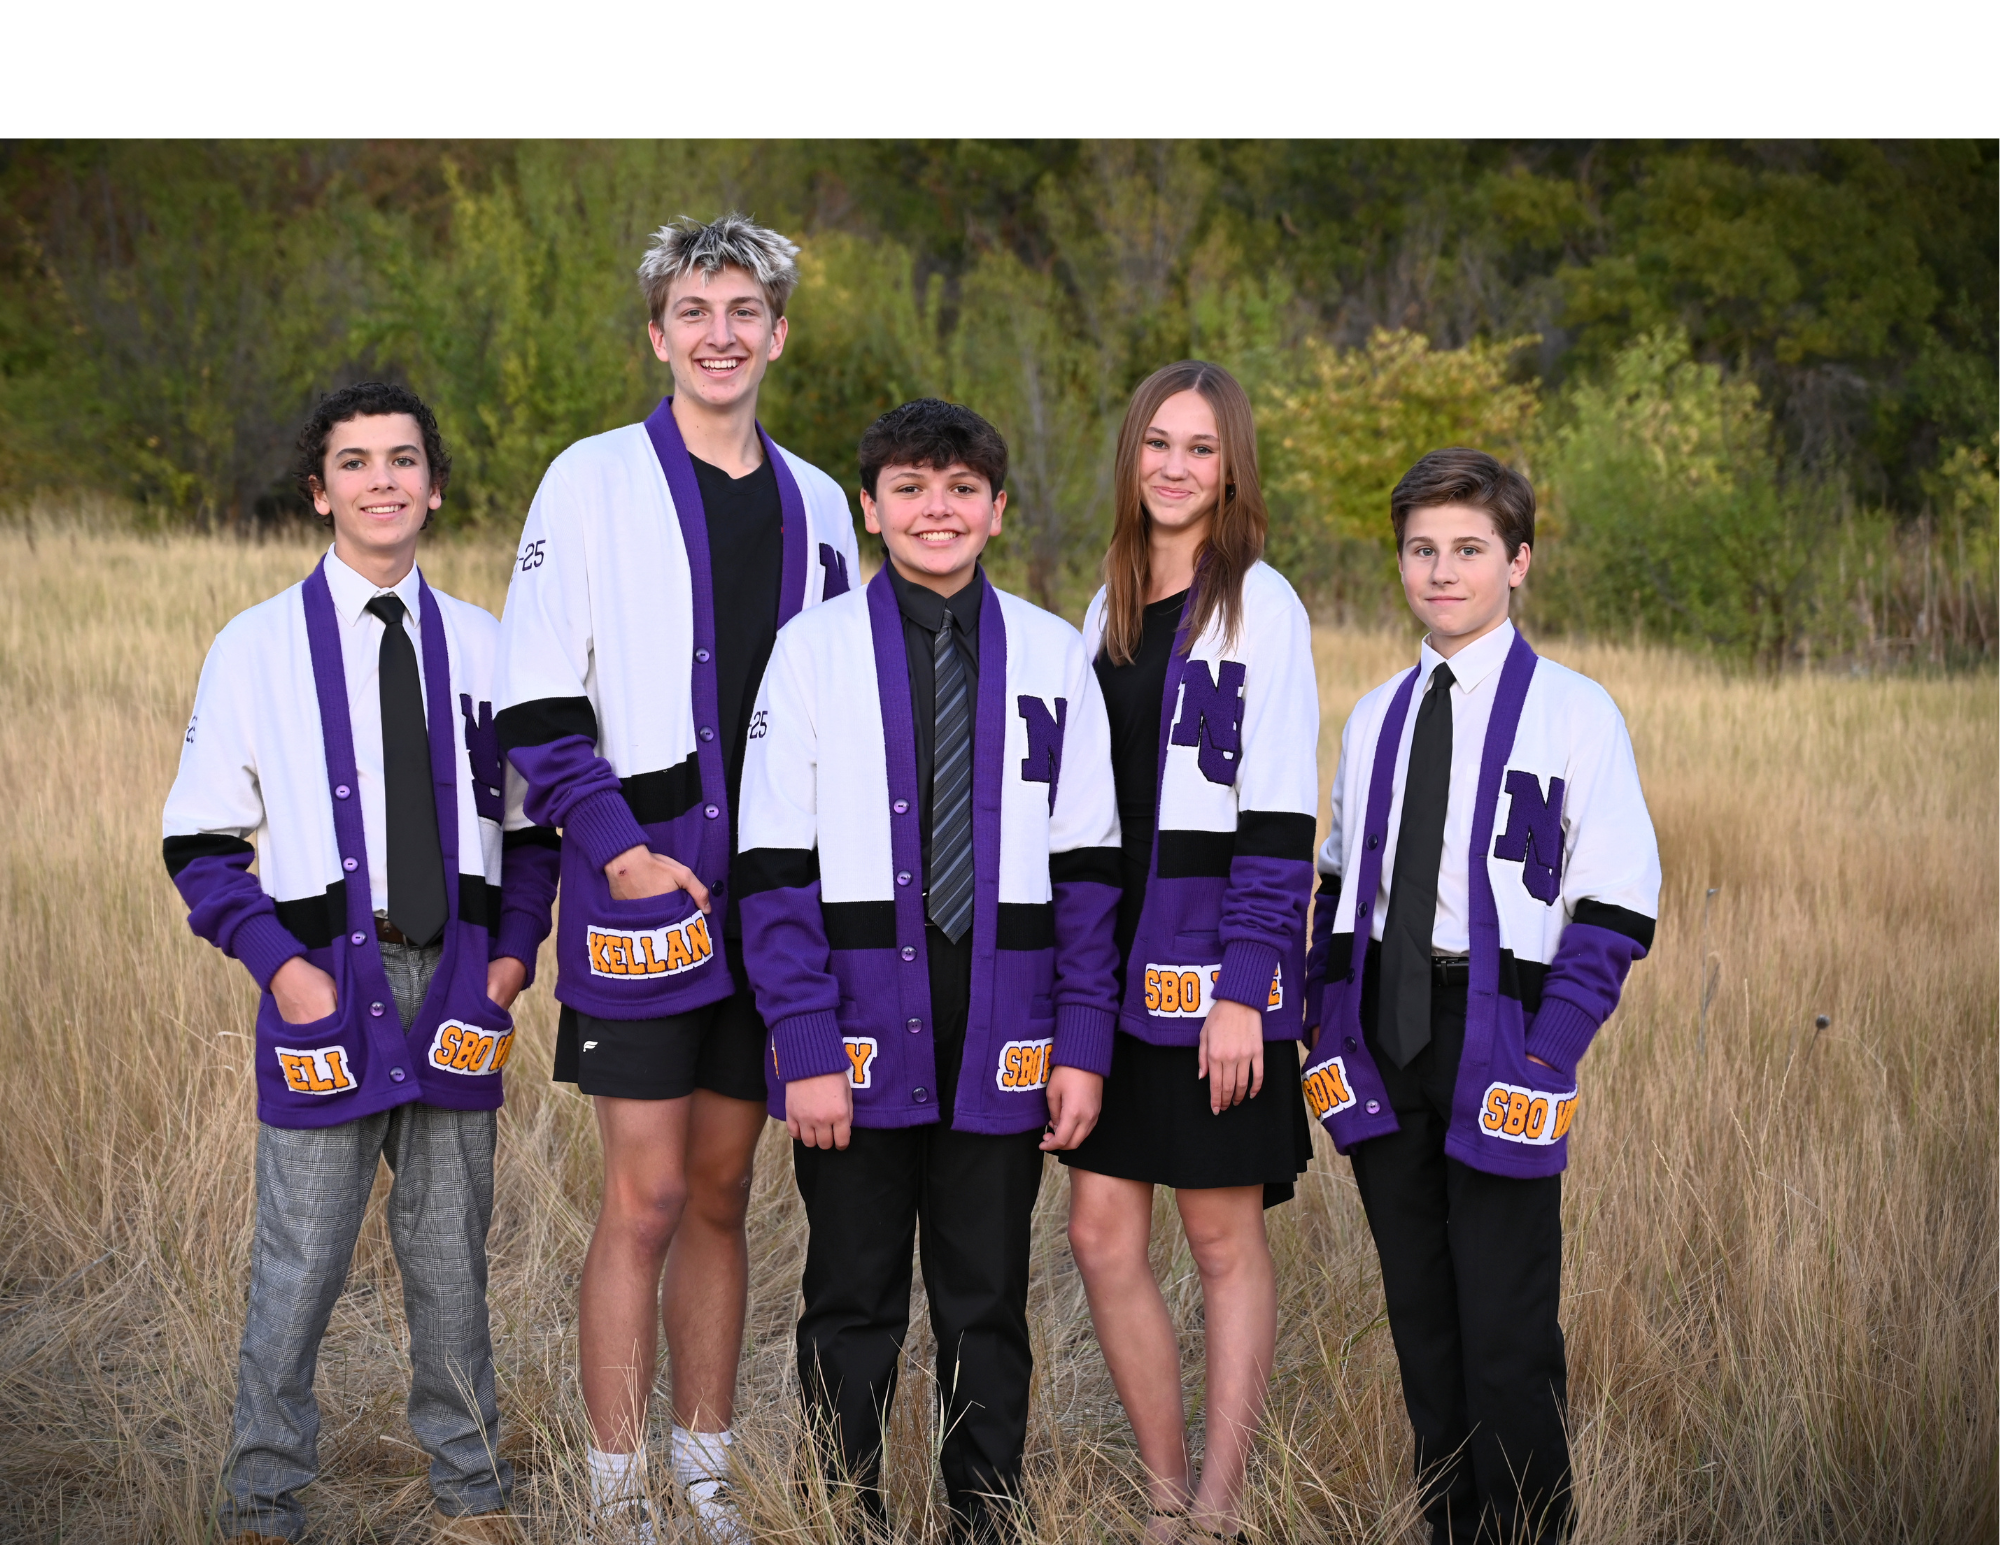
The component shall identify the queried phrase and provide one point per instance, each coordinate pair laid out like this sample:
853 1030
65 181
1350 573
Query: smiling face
1180 463
718 334
1456 573
934 521
375 483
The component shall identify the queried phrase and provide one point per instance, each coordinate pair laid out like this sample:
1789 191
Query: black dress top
1132 696
1155 1125
950 964
746 561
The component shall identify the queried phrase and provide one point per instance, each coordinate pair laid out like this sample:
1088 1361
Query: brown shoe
500 1528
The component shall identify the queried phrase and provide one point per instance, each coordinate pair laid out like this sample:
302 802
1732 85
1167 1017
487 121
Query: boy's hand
304 992
1075 1098
1232 1054
639 872
819 1112
505 977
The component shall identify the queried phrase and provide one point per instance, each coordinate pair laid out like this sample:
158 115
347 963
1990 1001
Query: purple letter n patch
1043 763
1534 837
1212 717
482 755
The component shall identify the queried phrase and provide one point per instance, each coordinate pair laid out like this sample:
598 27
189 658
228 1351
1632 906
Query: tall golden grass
1781 1270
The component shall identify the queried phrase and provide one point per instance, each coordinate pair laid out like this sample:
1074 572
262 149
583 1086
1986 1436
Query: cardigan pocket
301 1066
648 938
475 1045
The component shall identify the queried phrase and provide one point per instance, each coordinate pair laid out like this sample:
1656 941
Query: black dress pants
970 1198
1472 1272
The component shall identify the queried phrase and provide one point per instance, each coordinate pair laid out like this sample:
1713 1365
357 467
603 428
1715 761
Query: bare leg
1110 1223
618 1315
708 1264
1225 1233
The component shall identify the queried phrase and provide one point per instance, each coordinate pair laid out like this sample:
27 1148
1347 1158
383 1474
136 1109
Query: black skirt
1156 1125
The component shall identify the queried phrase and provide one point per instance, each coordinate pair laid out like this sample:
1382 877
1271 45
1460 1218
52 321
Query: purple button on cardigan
909 952
349 865
397 1074
357 938
901 807
340 791
375 1009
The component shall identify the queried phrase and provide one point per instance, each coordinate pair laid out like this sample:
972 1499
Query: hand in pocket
303 992
639 873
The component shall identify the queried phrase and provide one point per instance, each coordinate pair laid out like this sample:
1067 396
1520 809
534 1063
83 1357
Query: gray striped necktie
950 896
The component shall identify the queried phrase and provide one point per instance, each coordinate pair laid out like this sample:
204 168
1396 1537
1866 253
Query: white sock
701 1456
616 1478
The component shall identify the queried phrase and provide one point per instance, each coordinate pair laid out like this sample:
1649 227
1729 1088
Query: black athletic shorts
719 1047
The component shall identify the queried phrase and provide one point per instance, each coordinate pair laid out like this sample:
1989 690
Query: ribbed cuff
604 826
808 1045
263 944
1083 1037
520 936
1247 969
1560 1035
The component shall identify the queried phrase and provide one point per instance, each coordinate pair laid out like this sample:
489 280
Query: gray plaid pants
312 1190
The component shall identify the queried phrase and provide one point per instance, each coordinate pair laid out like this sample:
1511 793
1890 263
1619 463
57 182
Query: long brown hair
1236 526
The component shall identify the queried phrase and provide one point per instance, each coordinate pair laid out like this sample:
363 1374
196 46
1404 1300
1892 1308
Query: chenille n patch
649 951
1531 1116
322 1070
461 1048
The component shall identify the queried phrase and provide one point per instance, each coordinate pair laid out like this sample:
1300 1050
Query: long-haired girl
1205 658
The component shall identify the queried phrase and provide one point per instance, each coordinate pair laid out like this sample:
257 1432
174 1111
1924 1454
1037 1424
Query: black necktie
416 862
1403 1021
951 792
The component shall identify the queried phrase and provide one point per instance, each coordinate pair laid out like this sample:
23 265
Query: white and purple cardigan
830 874
607 694
1231 875
267 773
1562 902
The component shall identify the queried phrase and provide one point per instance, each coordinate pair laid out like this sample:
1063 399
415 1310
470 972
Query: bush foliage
1755 383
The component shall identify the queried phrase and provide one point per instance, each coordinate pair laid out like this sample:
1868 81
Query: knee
718 1196
1221 1253
1101 1245
644 1217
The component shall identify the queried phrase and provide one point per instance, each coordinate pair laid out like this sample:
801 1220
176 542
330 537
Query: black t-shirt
1132 695
746 560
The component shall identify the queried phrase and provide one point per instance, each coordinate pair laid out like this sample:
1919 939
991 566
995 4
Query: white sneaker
714 1507
621 1523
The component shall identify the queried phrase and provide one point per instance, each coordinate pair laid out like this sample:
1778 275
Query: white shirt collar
352 593
1472 664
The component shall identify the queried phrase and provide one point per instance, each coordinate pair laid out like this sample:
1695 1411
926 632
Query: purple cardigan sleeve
1085 884
226 905
1582 987
530 870
790 963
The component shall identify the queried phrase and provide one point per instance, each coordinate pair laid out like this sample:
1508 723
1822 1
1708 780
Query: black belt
389 933
1451 970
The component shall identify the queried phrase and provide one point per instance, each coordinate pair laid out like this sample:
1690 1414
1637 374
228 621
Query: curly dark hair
364 399
936 434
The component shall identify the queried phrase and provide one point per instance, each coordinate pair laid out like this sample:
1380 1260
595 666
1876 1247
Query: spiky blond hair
733 241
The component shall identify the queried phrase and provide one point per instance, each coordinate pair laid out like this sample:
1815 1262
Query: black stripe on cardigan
545 719
1099 866
773 869
1274 834
1635 926
179 852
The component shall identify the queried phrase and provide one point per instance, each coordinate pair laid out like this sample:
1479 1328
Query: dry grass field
1781 1275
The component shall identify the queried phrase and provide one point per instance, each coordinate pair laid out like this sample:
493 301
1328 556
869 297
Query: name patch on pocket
461 1048
1180 992
1531 1116
1188 992
1024 1066
1327 1090
323 1070
649 951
